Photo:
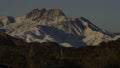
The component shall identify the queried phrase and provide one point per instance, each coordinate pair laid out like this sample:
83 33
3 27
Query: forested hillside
51 55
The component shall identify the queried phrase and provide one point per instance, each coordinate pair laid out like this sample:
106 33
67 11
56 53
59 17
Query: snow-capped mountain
52 25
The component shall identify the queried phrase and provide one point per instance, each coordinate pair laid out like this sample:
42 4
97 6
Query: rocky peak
56 12
35 13
4 20
49 14
35 10
86 24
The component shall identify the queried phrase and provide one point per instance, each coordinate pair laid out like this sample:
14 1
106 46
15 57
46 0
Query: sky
103 13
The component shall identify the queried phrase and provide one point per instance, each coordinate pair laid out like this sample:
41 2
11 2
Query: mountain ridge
53 25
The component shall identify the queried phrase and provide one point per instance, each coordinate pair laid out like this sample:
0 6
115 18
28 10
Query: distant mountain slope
54 26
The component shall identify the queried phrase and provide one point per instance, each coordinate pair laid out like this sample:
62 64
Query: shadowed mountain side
9 40
60 36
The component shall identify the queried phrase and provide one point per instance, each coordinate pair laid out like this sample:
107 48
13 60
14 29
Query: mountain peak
37 14
57 12
35 10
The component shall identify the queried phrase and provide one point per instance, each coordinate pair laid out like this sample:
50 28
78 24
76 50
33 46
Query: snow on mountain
52 25
5 20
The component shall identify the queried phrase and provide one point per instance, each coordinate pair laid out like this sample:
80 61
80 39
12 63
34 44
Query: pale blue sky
103 13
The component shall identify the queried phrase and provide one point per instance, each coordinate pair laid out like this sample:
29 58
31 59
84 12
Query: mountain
52 25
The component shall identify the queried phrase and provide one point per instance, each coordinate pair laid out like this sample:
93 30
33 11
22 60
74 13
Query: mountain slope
7 40
52 25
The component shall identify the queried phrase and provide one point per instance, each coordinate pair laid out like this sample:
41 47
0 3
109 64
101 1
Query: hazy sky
103 13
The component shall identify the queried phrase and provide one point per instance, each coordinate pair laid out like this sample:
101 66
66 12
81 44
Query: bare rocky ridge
49 15
54 26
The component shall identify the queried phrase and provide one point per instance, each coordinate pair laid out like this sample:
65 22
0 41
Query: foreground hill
54 26
58 57
8 40
52 55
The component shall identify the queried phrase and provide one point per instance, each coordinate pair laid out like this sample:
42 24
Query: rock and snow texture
54 26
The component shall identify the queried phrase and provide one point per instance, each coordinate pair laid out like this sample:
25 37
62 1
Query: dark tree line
52 55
